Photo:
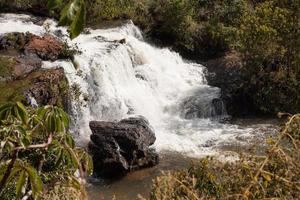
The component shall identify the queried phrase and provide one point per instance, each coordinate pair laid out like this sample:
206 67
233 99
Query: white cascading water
119 78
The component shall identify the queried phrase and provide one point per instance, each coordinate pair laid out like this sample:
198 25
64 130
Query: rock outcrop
44 48
227 73
119 147
21 75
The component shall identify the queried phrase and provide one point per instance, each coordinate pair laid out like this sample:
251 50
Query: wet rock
45 86
21 75
16 67
25 65
203 103
46 48
227 73
37 7
119 147
49 87
14 41
122 41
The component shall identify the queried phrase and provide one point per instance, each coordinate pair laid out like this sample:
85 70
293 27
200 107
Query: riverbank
140 182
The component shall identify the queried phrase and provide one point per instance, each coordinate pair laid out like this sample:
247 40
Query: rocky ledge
226 72
21 75
120 147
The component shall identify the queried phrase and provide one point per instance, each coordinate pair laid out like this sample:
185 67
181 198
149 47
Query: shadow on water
138 182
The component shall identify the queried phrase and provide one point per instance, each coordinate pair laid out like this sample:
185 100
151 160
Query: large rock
46 48
17 67
48 87
21 75
119 147
226 72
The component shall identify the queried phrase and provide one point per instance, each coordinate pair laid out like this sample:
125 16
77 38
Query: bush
270 46
110 9
38 154
199 29
274 175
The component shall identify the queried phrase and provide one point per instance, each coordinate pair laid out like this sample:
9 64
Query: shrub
270 45
37 154
274 175
200 29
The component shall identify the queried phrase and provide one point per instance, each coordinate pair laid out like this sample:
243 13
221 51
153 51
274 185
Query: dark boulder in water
120 147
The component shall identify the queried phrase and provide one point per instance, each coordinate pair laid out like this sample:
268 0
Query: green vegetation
38 155
6 66
58 89
264 33
199 29
274 175
12 91
269 40
73 15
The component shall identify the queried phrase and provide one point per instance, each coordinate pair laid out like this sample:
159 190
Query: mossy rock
6 66
46 86
12 91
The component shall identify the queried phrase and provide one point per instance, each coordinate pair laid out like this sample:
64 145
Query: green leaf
16 168
35 180
21 183
69 140
71 156
59 158
64 117
78 23
75 183
22 112
74 15
5 111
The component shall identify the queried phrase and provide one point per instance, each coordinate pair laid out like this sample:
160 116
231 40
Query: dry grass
275 175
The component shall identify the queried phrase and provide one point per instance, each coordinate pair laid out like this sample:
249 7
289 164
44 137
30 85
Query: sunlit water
120 75
121 79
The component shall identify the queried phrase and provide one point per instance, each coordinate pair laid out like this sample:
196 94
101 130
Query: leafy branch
35 147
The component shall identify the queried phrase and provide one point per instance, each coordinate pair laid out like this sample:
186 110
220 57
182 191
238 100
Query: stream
120 75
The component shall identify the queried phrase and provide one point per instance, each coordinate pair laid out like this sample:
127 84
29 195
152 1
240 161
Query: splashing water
120 75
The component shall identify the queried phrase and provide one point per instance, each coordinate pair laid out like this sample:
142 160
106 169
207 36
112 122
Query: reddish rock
21 56
47 47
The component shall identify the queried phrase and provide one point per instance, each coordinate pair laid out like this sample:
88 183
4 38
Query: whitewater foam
120 75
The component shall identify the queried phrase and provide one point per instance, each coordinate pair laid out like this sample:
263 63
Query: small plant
76 91
37 153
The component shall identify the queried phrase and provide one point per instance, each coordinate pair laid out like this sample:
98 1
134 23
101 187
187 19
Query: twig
35 146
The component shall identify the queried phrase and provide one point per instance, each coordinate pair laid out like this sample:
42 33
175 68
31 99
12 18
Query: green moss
6 66
12 91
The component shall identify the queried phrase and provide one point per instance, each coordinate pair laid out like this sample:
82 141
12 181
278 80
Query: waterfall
118 74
